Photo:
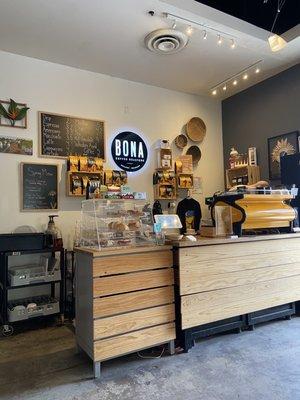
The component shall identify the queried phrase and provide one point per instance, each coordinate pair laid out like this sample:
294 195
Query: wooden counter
125 297
124 301
221 279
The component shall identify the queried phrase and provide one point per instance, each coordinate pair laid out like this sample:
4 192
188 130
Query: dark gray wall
267 109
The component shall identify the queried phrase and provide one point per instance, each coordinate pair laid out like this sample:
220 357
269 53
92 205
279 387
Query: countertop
206 241
201 241
122 250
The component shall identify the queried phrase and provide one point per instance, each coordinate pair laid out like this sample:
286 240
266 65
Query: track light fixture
244 74
222 36
189 30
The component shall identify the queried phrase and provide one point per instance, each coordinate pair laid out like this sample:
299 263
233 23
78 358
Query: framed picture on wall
278 146
14 145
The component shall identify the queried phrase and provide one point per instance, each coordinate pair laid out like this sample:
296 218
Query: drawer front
121 303
134 341
193 281
134 281
206 307
199 274
112 265
238 250
133 321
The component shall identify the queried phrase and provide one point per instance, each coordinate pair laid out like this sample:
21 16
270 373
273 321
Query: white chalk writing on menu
62 136
40 189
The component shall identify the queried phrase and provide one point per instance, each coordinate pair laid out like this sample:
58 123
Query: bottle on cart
54 234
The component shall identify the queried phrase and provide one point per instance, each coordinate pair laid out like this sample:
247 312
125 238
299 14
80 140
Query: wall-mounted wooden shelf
164 184
97 175
185 181
242 175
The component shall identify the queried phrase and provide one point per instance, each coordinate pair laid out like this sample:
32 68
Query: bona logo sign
129 151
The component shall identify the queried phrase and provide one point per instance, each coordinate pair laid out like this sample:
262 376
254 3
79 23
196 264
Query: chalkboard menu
62 136
39 186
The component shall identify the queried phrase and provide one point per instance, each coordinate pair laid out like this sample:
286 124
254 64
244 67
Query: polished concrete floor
259 365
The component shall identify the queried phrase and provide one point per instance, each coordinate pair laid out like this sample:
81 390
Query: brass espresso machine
256 209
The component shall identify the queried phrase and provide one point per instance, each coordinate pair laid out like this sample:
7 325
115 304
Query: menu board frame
22 164
40 140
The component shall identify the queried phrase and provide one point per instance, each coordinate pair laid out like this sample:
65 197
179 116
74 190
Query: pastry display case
111 223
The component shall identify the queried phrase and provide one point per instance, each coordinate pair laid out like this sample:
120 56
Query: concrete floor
259 365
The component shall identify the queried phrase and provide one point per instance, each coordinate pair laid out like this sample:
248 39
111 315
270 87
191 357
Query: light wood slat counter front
124 300
224 278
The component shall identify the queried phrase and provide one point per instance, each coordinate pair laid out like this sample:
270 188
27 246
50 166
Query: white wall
155 112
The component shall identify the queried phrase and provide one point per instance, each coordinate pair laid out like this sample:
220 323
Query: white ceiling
107 36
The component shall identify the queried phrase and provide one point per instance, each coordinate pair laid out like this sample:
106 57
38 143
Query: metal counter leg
97 369
171 347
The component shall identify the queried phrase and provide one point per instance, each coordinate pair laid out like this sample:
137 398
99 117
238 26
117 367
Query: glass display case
114 223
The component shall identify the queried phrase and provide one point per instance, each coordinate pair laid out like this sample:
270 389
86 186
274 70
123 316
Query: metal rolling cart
28 269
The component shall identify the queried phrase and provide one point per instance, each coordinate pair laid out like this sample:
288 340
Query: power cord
151 357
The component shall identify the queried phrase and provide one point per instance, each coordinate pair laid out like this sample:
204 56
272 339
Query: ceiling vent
166 41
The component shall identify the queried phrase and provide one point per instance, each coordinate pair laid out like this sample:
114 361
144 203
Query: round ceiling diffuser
166 41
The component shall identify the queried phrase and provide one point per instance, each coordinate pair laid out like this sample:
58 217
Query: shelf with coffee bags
77 182
87 178
164 182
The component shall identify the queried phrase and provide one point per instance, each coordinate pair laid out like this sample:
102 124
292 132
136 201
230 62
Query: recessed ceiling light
189 30
220 40
245 76
224 88
235 82
174 25
257 70
233 45
214 92
204 35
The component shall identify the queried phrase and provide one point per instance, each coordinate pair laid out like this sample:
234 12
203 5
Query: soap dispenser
54 234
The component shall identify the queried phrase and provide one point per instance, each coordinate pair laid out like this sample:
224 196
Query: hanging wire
280 4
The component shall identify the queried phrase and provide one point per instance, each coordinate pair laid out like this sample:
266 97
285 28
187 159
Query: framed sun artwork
278 146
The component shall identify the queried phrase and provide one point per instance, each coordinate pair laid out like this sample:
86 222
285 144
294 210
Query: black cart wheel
7 330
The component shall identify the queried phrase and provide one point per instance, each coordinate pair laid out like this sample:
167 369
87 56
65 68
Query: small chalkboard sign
63 135
39 187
